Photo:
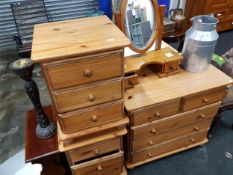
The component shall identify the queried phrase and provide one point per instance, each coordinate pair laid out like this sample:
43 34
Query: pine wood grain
94 150
150 92
112 164
148 142
81 70
76 37
89 95
173 122
168 153
155 112
136 62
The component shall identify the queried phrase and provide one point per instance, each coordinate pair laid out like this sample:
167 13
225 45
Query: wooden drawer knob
149 155
196 128
99 168
94 118
91 98
96 152
150 143
219 14
205 100
153 131
203 116
87 73
157 114
192 140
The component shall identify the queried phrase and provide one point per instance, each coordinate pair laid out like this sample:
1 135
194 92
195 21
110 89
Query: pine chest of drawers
171 114
82 62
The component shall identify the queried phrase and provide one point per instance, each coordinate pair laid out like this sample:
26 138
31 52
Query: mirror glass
139 22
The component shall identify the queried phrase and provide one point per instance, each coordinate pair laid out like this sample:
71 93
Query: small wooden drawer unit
171 114
83 70
156 112
82 61
167 147
91 117
203 98
93 94
111 164
174 122
94 150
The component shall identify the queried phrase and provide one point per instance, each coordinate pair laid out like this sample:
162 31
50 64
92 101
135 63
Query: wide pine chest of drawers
171 114
82 62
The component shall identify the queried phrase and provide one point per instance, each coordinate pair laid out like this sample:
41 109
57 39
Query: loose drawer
166 147
107 165
94 150
148 142
93 94
83 119
155 112
203 99
80 71
173 122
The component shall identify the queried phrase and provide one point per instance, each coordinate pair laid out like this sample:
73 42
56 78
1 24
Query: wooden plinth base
133 165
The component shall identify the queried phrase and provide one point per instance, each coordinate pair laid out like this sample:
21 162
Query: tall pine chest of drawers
82 62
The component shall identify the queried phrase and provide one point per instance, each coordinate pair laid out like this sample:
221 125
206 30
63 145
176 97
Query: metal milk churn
199 45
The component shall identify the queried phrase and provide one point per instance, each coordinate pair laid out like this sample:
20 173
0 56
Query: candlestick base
46 132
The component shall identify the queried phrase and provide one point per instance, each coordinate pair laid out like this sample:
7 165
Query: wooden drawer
203 98
107 165
91 117
155 112
148 142
216 5
167 147
94 150
79 71
173 122
91 95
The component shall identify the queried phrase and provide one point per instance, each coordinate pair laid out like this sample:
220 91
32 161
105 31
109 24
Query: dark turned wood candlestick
23 68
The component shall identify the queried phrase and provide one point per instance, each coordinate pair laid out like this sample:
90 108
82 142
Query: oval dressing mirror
140 20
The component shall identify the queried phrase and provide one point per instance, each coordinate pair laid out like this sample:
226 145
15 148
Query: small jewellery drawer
167 147
173 122
203 98
108 165
148 142
93 150
155 112
91 95
91 117
77 71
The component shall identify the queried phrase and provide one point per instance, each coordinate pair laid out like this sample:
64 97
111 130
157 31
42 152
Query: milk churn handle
172 10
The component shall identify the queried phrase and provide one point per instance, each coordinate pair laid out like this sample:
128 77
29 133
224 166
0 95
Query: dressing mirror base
163 62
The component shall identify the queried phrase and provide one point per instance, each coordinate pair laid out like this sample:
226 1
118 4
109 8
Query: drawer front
94 150
216 5
203 99
148 142
83 119
88 96
168 146
155 113
81 71
112 164
173 122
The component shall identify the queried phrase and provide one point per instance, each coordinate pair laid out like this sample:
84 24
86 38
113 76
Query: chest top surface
153 90
78 37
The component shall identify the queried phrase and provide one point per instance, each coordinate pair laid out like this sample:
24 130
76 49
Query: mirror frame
157 26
